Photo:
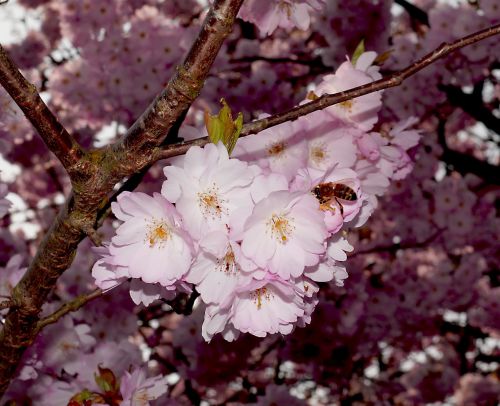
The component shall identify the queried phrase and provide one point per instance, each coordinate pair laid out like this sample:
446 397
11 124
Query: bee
329 191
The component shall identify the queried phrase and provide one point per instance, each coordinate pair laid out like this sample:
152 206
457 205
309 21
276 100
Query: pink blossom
361 111
326 271
280 149
151 242
147 293
137 390
263 307
106 273
219 267
330 141
368 147
285 233
269 15
209 189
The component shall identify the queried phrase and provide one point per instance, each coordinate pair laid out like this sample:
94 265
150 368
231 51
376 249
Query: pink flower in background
209 189
137 390
285 233
151 242
269 15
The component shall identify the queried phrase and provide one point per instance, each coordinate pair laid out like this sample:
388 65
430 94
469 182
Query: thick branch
100 171
151 129
66 308
25 95
331 99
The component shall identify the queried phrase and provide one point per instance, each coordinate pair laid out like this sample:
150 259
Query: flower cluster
256 232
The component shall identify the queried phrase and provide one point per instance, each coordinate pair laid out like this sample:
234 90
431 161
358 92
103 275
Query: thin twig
399 246
26 96
6 304
331 99
66 308
415 12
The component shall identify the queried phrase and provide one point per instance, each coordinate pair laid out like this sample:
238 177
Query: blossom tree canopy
249 202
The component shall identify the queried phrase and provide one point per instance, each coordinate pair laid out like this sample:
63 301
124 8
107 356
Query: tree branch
66 308
414 12
25 95
331 99
99 171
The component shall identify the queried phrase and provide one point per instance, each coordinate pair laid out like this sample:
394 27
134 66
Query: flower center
318 153
347 105
281 228
158 233
210 202
67 347
227 264
276 149
285 7
142 397
258 295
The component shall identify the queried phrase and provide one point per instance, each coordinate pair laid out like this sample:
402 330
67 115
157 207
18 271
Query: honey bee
329 191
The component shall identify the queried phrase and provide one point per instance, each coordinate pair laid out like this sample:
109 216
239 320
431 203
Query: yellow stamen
259 294
281 228
347 105
158 233
210 203
277 148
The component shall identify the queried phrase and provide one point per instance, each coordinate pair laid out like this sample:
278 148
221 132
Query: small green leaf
357 52
384 56
231 139
223 128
